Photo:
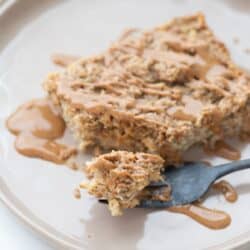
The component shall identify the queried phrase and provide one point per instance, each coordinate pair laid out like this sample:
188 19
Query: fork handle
231 167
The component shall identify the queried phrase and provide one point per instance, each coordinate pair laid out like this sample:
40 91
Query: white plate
40 192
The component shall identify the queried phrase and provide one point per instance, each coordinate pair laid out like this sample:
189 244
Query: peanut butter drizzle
210 63
189 112
37 124
227 190
192 106
63 60
29 145
210 218
38 117
180 115
223 150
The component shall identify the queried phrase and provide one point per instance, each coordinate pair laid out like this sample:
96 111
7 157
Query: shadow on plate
240 5
104 229
241 190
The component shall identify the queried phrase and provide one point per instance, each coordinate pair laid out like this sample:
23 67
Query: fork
190 182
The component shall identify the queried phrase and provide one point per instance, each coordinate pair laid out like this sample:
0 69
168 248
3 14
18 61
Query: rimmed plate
41 193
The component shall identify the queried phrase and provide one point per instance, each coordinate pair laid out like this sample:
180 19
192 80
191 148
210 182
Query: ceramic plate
40 192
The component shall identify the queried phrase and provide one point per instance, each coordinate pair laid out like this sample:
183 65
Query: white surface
15 236
46 189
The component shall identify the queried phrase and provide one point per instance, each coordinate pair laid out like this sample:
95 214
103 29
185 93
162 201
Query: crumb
127 32
247 50
63 60
83 185
89 236
72 164
77 193
236 40
121 177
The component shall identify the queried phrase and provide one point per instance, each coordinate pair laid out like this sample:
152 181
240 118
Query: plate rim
53 240
24 218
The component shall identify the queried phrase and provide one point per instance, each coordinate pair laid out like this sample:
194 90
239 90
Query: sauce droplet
210 218
223 150
37 124
227 190
38 117
29 145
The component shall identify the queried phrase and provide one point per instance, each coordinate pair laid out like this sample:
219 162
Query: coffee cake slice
122 178
158 91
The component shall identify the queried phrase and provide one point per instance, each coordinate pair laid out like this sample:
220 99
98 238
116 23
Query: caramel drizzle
31 146
37 124
227 190
210 218
223 150
189 112
180 115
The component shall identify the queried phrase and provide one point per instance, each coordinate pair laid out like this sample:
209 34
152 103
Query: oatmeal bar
121 178
158 91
